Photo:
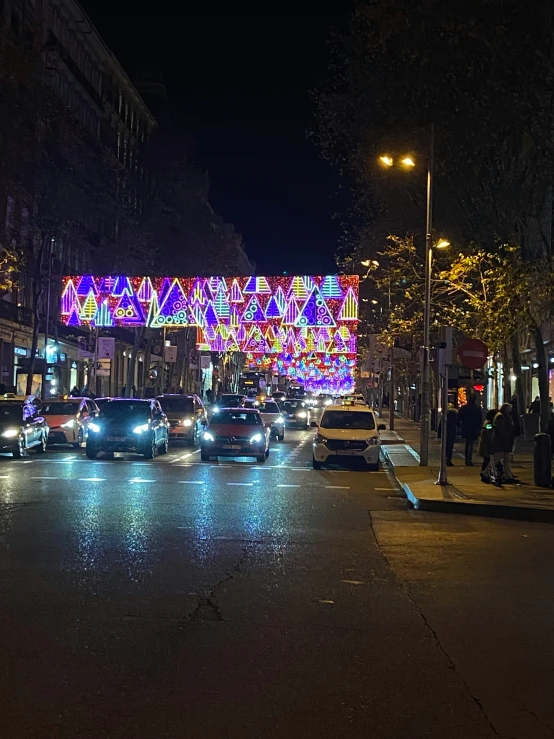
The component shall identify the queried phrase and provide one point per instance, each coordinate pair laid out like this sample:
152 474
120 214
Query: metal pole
443 479
425 393
95 363
392 392
47 319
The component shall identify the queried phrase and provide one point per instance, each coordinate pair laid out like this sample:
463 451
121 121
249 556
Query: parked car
22 427
185 414
296 413
271 414
347 432
129 425
236 432
68 419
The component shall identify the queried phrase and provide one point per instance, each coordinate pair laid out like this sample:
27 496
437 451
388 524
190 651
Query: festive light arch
301 326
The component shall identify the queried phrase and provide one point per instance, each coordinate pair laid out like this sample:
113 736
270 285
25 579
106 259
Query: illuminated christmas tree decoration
298 288
250 286
210 317
130 309
69 299
235 295
89 307
349 309
280 299
253 312
73 319
122 286
103 317
146 290
198 295
86 284
107 284
291 313
330 287
221 305
273 310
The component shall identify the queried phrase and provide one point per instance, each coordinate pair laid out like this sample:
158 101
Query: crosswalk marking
192 482
244 484
92 479
337 487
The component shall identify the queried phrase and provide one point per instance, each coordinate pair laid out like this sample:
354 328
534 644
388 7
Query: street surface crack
434 635
533 714
207 607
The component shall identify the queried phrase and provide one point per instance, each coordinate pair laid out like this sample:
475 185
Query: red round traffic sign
473 353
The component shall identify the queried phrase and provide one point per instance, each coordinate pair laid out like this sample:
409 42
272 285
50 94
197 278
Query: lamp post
408 162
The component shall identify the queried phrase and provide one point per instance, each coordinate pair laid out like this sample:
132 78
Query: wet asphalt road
171 598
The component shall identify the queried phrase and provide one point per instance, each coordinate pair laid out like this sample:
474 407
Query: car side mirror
313 425
381 427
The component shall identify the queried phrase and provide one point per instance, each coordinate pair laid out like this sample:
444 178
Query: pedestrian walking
471 420
535 406
503 436
488 471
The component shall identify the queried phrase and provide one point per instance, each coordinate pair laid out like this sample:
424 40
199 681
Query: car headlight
302 414
186 422
68 424
215 409
10 433
280 419
141 429
328 402
94 427
319 439
256 438
207 436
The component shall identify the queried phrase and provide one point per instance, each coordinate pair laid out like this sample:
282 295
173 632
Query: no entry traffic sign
473 353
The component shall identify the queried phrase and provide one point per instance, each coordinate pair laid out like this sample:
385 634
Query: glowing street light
407 162
369 263
442 244
386 160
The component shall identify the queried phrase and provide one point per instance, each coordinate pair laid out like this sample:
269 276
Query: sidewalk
465 493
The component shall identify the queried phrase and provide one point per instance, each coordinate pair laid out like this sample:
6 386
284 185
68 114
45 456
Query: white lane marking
140 479
71 456
4 477
337 487
244 484
28 461
288 486
45 478
185 456
383 490
92 479
143 464
191 482
219 466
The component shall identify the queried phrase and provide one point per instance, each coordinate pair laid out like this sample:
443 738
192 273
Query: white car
347 431
271 415
353 399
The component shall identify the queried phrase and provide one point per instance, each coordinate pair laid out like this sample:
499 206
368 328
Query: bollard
542 465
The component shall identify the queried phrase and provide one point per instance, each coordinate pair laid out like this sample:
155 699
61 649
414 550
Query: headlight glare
68 424
10 433
141 429
207 436
256 438
94 427
280 420
186 422
302 414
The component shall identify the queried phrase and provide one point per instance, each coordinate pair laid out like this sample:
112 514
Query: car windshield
269 407
293 405
230 401
123 410
60 409
11 412
177 405
241 418
348 420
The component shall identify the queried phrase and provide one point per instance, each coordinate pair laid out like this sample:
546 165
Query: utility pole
444 368
47 317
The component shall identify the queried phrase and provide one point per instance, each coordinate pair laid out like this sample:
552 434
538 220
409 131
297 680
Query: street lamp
408 162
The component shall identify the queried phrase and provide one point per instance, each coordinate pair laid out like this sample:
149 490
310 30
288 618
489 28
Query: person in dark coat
470 419
485 448
515 416
535 406
503 436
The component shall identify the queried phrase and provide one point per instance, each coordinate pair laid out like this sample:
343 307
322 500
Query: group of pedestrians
496 434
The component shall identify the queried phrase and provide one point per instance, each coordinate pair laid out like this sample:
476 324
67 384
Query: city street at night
174 598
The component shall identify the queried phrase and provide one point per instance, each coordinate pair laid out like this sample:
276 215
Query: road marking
218 466
384 490
191 482
244 484
45 478
288 486
336 487
71 457
92 479
185 456
140 479
4 477
143 464
28 461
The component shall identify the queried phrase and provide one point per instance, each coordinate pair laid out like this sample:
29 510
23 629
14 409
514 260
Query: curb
489 510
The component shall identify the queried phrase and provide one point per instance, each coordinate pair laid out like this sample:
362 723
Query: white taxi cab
347 431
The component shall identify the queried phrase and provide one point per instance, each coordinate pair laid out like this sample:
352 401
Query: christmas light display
300 326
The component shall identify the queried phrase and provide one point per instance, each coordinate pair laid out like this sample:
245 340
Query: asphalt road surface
171 598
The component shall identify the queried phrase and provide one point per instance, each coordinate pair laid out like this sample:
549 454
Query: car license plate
231 446
349 452
116 438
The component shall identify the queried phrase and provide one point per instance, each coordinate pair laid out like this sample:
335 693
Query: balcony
16 313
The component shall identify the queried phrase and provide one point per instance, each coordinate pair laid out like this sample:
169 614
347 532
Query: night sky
240 85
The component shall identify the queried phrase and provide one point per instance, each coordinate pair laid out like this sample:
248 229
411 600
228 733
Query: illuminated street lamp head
374 301
407 161
386 160
442 244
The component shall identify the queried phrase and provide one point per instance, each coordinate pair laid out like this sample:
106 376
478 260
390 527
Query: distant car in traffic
228 400
185 414
296 413
278 396
100 402
271 414
129 425
296 391
68 419
347 432
353 399
236 432
22 427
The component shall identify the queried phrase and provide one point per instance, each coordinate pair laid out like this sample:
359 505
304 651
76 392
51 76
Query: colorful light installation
303 326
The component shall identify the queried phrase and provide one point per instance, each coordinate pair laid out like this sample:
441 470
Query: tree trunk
506 387
516 366
542 373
